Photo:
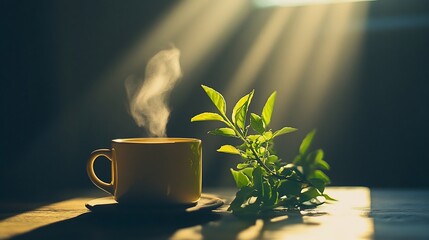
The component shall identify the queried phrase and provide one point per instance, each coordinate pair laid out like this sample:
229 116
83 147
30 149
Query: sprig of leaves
265 182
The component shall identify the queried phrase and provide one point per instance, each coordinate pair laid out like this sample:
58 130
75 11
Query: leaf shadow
233 227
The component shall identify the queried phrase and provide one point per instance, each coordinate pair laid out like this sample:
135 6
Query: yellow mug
156 171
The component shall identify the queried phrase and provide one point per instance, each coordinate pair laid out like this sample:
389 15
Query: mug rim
155 140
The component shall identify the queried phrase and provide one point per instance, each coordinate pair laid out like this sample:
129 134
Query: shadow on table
231 227
93 226
12 207
203 225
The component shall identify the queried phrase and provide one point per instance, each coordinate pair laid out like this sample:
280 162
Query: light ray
289 3
254 60
294 53
209 32
197 28
335 54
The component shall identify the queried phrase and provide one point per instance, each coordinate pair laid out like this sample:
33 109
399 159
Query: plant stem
260 162
240 135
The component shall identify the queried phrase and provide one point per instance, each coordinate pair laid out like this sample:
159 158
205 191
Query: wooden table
360 213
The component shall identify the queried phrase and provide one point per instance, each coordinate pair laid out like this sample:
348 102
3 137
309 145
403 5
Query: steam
148 96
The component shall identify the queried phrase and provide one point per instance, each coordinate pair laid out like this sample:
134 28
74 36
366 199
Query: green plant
265 182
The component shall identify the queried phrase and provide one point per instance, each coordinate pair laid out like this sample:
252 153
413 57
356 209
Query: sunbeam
258 53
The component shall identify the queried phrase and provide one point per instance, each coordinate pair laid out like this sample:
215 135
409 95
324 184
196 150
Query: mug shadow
208 225
102 226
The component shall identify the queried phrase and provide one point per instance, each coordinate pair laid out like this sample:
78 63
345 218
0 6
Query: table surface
360 213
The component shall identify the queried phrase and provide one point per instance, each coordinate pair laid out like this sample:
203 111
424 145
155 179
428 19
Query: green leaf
252 138
240 178
268 135
319 155
240 197
256 123
242 165
229 149
257 180
309 194
272 159
261 139
267 111
240 104
227 132
318 183
207 116
329 197
239 112
248 172
274 198
284 131
240 118
320 175
306 143
217 98
266 191
319 162
322 164
289 188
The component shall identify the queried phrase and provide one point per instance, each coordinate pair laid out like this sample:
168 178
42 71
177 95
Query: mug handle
108 187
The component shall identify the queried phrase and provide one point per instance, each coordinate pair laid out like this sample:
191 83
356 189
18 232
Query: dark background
57 105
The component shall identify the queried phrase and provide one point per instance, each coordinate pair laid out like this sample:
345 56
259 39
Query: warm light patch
252 232
31 220
285 3
340 220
